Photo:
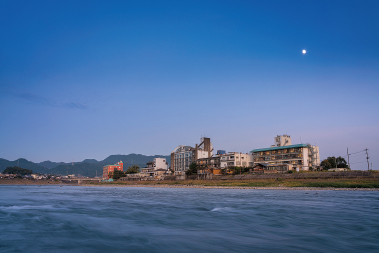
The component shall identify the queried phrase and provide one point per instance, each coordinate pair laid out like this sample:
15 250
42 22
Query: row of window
278 157
280 151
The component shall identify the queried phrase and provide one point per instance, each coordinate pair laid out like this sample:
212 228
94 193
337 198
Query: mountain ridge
88 167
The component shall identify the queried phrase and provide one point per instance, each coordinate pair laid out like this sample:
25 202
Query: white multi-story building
283 156
158 166
183 156
236 159
160 163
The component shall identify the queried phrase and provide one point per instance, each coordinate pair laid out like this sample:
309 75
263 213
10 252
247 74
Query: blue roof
276 148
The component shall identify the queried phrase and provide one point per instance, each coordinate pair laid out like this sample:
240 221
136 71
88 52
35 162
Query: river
128 219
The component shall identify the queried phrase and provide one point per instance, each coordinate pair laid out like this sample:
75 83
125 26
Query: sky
88 79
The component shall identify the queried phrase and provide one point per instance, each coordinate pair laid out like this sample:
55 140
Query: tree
17 170
117 174
192 169
132 169
326 164
341 163
333 162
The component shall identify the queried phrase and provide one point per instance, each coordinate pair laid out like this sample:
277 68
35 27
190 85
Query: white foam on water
222 209
26 207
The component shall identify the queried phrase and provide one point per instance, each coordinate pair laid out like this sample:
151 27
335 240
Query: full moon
304 51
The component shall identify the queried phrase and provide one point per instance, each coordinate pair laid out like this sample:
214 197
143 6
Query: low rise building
109 169
209 162
236 159
155 168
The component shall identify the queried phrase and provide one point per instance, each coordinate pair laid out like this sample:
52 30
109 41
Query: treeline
117 174
334 162
17 170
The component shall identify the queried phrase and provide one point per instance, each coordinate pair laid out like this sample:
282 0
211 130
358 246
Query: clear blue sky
87 79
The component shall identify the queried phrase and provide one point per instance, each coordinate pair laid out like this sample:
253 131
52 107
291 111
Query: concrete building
226 160
209 162
236 159
283 156
109 169
183 156
155 168
282 140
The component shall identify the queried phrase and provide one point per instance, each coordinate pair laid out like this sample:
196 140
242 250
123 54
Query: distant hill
131 159
50 165
90 161
88 167
83 169
23 163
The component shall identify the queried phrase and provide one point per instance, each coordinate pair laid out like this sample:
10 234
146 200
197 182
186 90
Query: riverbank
236 187
369 184
17 181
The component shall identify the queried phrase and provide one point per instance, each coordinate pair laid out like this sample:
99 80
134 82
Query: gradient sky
87 79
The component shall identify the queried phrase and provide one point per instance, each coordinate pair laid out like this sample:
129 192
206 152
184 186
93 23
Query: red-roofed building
109 169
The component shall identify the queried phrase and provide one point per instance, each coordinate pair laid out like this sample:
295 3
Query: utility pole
348 160
368 164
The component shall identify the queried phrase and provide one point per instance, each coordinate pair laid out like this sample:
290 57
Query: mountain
83 169
23 163
90 161
50 165
132 159
88 167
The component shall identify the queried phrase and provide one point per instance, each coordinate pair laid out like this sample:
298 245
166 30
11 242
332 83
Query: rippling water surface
103 219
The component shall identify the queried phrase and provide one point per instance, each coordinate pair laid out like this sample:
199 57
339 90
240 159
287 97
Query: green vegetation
192 169
117 174
278 182
132 169
88 167
17 170
333 162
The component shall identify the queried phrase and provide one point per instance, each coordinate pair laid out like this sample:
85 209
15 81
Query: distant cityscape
281 157
198 162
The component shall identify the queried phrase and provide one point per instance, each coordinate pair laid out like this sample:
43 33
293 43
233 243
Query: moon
304 51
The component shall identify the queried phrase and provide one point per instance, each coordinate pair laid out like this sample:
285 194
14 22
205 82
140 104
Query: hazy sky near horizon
88 79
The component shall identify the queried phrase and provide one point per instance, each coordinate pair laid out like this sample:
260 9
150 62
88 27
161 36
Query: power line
358 162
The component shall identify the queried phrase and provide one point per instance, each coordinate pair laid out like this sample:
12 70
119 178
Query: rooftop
277 148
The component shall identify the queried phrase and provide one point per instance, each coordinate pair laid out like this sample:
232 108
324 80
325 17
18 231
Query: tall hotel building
183 156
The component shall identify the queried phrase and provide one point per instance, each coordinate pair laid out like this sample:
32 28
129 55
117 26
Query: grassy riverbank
319 183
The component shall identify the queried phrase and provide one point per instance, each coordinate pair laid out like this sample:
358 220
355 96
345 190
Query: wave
25 207
222 209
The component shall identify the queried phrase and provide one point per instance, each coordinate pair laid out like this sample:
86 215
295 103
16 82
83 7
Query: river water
126 219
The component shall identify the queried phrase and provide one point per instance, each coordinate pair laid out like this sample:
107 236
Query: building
284 156
183 156
282 140
109 169
155 168
209 162
236 159
227 160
